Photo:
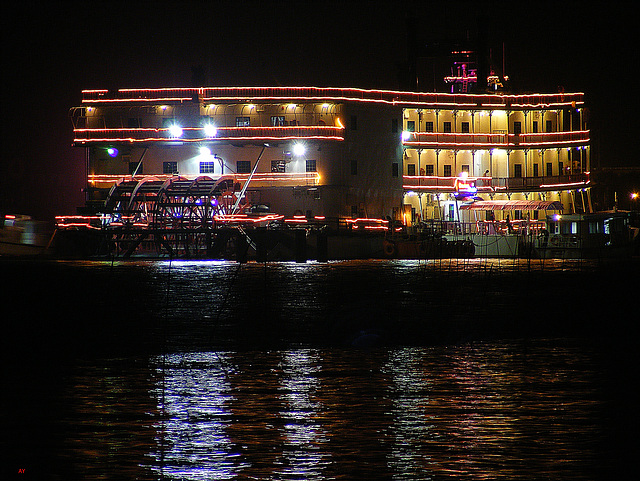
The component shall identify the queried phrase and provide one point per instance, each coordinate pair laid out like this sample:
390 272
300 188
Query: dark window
465 127
465 168
243 122
549 168
428 126
411 125
243 166
446 127
278 166
411 169
447 170
354 167
517 128
560 168
394 169
311 166
517 170
534 127
549 125
394 126
169 167
428 169
354 123
536 170
277 120
207 167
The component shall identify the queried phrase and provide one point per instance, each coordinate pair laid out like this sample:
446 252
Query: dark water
348 370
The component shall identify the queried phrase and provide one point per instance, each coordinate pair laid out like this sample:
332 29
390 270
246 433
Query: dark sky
53 50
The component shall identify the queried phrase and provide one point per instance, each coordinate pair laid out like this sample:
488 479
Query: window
447 170
394 126
243 122
536 170
169 167
428 126
549 126
278 166
353 125
560 168
446 127
465 127
465 168
207 167
428 169
411 169
243 166
549 168
517 128
311 166
534 127
517 170
354 167
394 169
277 120
411 125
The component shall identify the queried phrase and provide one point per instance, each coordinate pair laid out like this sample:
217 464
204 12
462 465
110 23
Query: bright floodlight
406 135
210 130
205 151
299 149
175 131
112 151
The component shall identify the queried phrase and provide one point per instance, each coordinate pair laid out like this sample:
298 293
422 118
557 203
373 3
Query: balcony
436 184
468 141
240 134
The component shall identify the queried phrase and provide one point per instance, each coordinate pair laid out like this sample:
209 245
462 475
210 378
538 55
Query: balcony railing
437 184
322 132
400 98
468 141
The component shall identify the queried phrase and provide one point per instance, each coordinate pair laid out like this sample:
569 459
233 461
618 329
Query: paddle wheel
187 211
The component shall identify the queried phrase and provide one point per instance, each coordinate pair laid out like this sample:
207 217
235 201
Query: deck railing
436 184
482 141
324 132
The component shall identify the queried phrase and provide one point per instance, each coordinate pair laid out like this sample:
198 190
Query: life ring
390 249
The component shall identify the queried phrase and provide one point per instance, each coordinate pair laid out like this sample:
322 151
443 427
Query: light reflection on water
479 412
345 370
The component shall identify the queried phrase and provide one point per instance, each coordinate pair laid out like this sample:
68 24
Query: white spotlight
210 130
299 149
175 131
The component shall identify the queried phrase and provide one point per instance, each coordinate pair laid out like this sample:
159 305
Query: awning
513 205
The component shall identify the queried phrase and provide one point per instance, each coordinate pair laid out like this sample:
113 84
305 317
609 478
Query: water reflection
479 412
304 454
194 396
411 428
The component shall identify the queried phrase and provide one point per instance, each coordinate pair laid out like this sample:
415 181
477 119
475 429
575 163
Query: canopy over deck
513 205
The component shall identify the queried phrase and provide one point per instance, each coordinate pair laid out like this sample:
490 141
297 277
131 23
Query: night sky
53 50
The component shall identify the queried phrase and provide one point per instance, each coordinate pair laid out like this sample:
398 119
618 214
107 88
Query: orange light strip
394 97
